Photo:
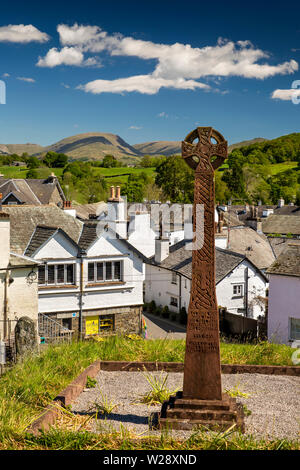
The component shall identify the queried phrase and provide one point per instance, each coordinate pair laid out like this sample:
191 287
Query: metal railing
51 331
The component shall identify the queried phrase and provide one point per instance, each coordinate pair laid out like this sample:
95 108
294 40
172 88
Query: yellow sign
92 325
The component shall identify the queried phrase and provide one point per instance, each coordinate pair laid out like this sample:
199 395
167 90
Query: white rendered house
284 297
240 285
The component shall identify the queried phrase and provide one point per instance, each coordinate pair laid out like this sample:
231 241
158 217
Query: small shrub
152 306
90 382
236 392
247 412
158 311
183 316
105 406
165 312
159 391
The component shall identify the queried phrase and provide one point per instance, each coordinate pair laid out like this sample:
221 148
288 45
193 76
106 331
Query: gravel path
273 400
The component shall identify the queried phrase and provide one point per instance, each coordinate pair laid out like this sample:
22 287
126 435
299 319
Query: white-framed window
294 327
237 290
105 271
174 278
174 301
56 274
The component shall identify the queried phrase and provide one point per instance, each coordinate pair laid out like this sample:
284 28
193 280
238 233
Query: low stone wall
74 389
178 367
65 398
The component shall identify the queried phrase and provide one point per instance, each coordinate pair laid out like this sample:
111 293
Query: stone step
188 425
201 404
196 414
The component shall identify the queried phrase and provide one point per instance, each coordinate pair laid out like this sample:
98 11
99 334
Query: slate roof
287 210
281 224
25 219
85 211
89 236
180 260
30 191
21 261
287 263
39 237
255 246
279 244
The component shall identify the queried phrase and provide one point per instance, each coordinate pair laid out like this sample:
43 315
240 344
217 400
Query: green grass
280 167
122 440
21 172
119 176
29 386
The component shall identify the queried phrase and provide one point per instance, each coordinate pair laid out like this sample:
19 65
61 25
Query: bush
152 306
183 316
158 311
165 312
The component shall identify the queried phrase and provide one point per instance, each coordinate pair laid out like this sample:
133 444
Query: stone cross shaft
202 370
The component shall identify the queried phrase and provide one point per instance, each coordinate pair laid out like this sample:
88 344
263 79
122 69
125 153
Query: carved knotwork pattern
202 314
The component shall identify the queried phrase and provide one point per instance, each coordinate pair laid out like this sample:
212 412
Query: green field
280 167
21 172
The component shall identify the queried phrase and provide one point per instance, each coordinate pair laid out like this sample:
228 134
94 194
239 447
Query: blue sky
148 70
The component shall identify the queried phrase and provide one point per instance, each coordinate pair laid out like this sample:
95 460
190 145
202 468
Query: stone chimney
253 220
161 247
68 209
116 212
4 238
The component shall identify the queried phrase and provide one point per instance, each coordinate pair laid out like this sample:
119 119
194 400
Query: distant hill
174 147
19 149
89 146
95 145
162 147
22 148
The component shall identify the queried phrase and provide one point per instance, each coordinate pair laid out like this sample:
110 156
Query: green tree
109 161
176 179
33 162
32 174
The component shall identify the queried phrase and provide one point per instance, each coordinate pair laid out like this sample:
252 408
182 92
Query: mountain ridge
95 145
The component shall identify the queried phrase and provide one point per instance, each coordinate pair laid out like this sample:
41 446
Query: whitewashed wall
22 296
60 250
159 287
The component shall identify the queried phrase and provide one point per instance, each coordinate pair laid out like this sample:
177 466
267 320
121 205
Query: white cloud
66 56
286 95
177 65
22 33
163 114
137 128
26 79
65 85
146 84
6 75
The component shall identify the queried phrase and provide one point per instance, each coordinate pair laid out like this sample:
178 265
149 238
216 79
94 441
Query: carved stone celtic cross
202 372
201 402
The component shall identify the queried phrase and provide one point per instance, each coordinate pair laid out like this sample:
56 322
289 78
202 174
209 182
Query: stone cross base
190 413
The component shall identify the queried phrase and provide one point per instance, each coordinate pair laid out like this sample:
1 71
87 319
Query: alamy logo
2 92
162 218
